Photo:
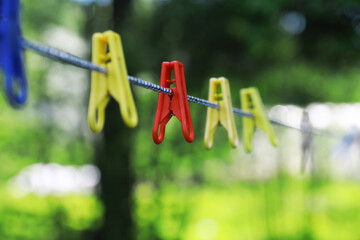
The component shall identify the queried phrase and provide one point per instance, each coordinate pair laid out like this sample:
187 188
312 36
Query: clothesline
68 58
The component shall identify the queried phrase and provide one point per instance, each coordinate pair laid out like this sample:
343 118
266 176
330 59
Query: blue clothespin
11 55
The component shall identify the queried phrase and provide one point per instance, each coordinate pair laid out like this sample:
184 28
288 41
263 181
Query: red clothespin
177 104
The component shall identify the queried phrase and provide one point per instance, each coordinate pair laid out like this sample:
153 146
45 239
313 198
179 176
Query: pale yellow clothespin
107 52
251 102
219 93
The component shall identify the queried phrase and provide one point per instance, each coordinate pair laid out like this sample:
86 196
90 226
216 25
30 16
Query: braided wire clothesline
65 57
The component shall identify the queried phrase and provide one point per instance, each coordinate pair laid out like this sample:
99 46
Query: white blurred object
67 85
55 179
321 115
65 40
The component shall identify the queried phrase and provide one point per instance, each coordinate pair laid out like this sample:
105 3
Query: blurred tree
250 42
114 152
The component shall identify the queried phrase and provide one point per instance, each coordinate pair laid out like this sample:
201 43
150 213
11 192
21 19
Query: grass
282 208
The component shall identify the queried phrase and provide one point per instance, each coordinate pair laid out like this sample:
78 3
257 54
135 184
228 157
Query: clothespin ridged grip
219 92
251 102
175 105
107 52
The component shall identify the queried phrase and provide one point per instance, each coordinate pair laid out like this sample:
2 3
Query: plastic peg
219 93
107 52
307 144
177 104
251 102
11 58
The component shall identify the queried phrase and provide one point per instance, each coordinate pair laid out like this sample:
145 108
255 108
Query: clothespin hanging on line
306 143
219 93
251 102
177 104
107 52
11 53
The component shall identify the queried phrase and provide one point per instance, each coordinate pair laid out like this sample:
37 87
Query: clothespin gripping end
219 93
251 102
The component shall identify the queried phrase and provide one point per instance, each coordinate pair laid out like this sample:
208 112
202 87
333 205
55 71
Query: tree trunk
113 154
117 178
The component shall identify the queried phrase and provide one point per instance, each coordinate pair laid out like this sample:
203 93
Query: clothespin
177 104
347 143
251 102
219 93
306 142
107 52
11 57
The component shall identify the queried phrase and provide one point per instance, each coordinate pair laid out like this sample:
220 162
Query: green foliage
243 41
278 209
301 81
35 217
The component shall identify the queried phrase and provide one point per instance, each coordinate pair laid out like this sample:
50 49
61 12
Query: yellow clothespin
251 102
107 52
219 93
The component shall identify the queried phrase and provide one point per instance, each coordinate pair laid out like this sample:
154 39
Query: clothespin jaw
108 53
251 102
11 58
177 104
219 93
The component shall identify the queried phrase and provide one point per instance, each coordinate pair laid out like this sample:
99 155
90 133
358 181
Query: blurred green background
60 181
